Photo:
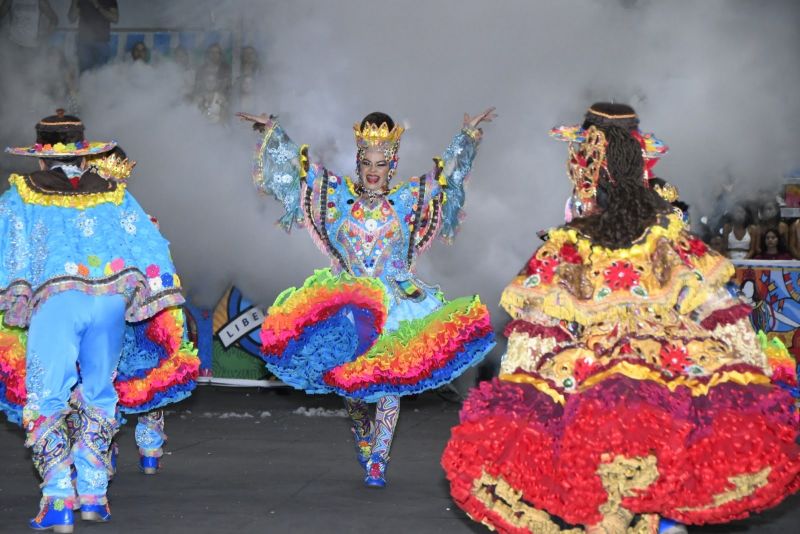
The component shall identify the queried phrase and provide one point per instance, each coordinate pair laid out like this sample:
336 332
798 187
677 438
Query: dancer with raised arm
368 328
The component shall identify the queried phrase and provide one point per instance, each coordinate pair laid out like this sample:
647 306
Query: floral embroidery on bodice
370 237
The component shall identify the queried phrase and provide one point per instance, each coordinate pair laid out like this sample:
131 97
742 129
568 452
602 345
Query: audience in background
214 64
772 246
27 24
249 62
211 97
740 234
140 52
94 30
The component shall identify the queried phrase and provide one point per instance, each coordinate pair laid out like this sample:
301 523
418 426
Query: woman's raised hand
260 122
473 122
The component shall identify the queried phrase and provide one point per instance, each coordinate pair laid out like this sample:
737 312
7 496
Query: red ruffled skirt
709 452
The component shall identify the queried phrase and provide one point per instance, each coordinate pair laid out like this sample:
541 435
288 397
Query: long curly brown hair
627 206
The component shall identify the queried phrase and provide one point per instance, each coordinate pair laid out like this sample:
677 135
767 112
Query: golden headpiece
113 167
668 192
377 136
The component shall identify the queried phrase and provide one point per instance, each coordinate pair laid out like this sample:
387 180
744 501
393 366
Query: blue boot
148 465
668 526
376 471
54 514
96 512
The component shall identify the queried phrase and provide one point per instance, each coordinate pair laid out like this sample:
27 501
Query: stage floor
244 460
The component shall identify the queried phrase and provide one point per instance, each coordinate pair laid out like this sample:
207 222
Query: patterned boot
93 462
150 438
54 514
48 439
376 471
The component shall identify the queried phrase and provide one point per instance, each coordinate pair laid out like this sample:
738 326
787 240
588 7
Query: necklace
371 195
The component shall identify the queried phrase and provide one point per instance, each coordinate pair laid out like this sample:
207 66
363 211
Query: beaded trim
321 230
413 227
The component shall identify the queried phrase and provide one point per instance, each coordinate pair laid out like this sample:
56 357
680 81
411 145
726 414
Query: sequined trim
19 300
32 194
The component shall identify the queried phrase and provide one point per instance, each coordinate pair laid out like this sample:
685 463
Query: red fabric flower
569 254
691 247
621 275
674 357
545 268
697 247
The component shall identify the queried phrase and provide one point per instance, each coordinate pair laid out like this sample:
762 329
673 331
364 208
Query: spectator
773 246
212 100
741 236
181 57
250 65
140 52
94 30
29 23
214 63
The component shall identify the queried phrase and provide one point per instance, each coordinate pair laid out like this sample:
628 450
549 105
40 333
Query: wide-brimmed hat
61 136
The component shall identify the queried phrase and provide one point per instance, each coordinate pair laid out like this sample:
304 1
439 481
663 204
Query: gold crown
372 135
668 192
112 167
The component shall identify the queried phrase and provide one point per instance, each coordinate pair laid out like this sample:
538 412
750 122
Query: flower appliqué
86 224
621 275
128 222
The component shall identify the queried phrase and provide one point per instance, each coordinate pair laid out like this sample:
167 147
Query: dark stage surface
255 461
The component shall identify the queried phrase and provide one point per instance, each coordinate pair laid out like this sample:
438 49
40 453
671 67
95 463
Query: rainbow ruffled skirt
328 336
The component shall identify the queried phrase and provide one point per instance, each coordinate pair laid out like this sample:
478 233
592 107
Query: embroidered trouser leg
386 414
359 413
150 436
72 330
50 450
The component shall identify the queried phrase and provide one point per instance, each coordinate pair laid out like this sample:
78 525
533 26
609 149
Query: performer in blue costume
368 328
78 258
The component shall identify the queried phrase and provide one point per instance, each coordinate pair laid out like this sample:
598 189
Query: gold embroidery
524 352
498 496
625 477
744 486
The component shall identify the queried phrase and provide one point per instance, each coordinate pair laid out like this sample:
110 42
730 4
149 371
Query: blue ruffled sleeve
279 170
457 163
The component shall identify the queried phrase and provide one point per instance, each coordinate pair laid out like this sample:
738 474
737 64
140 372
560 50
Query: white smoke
717 80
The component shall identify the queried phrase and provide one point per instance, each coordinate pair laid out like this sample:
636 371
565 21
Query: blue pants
72 331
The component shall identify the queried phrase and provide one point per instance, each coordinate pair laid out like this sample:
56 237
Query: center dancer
367 328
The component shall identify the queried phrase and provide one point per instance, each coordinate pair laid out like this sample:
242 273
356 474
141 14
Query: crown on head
374 136
668 192
113 167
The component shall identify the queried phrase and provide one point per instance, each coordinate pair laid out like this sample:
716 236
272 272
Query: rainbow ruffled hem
166 375
172 378
327 337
